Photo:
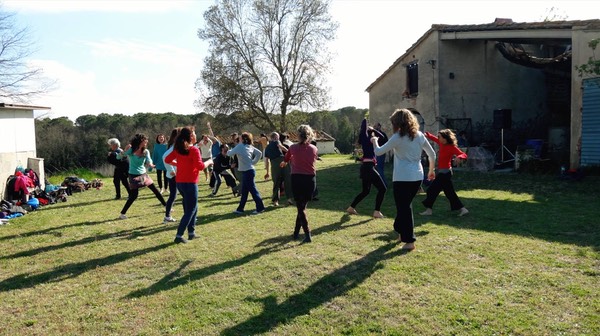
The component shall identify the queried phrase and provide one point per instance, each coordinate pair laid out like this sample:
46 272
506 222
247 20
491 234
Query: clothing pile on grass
24 193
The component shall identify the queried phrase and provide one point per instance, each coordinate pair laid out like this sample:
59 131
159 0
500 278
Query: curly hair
449 136
137 141
405 123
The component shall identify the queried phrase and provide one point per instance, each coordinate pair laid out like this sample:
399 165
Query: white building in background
17 141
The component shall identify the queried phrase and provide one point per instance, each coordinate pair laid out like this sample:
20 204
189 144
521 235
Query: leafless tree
266 57
19 82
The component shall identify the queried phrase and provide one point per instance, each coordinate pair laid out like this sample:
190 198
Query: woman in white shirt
407 144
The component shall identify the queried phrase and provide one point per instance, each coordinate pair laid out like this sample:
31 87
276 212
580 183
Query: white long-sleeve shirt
407 155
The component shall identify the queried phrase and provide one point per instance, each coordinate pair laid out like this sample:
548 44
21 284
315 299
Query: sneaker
463 211
122 216
238 212
180 240
212 194
169 220
192 236
427 212
256 212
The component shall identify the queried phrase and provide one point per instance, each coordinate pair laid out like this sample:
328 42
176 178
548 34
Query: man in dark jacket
121 167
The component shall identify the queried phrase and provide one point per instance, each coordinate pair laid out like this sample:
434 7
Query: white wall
17 142
326 147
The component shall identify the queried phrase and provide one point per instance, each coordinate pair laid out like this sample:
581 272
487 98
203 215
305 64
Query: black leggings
133 195
120 176
303 187
442 182
370 176
404 193
160 174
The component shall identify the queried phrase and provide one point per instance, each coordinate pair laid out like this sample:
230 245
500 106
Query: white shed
17 141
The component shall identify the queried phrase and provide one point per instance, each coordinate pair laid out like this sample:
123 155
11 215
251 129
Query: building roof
319 136
501 30
22 107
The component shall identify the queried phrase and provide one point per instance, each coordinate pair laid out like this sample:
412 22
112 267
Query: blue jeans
189 192
248 186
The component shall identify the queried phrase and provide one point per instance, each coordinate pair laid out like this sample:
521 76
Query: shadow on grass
125 234
574 223
68 204
174 279
323 290
73 270
55 231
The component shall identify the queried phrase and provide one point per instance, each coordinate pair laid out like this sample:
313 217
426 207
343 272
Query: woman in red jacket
186 157
446 139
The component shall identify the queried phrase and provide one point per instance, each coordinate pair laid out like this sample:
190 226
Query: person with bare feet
407 143
443 179
368 171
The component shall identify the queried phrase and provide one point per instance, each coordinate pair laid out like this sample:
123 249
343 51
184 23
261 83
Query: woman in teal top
157 154
139 158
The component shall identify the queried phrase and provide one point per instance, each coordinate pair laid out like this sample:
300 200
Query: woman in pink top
303 156
443 179
186 157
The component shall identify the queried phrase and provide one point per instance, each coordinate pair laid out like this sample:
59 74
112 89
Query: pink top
303 158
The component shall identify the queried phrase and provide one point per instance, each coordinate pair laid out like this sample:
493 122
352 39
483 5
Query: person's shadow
323 290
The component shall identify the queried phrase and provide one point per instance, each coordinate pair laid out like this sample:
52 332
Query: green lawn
525 261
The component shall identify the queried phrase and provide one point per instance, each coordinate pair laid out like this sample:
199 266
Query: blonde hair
405 123
306 133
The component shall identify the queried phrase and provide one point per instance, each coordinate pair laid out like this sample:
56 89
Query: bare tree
19 82
266 57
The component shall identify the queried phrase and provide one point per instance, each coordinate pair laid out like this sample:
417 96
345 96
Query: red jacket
188 166
446 152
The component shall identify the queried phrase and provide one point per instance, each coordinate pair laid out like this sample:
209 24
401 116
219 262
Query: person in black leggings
368 171
139 157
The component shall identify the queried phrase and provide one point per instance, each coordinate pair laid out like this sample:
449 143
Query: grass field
525 261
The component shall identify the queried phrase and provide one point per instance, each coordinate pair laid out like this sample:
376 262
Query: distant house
325 142
17 141
515 79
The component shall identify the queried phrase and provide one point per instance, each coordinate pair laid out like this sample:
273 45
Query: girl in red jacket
446 139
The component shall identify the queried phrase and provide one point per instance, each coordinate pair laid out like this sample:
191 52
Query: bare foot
427 212
351 211
408 246
377 214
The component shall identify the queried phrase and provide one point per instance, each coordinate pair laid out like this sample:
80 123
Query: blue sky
144 55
